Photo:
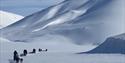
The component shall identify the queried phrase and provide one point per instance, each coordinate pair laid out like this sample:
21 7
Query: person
25 52
46 50
34 50
40 50
15 53
16 56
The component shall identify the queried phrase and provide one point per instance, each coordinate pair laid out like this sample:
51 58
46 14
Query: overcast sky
25 7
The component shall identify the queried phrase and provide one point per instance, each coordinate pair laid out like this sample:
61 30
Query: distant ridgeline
111 45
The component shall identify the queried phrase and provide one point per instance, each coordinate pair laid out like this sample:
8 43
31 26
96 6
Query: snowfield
7 48
57 53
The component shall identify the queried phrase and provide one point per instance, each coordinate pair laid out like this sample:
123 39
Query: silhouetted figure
46 50
34 51
40 50
25 52
16 56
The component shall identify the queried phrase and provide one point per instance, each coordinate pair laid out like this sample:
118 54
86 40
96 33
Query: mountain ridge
82 23
111 45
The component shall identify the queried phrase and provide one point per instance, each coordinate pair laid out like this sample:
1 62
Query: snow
121 36
86 19
26 7
74 58
114 44
67 17
57 53
7 18
66 29
61 48
3 40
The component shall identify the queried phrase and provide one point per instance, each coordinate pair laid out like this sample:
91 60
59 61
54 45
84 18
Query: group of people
18 59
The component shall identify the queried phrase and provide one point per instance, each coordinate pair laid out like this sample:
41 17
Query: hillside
111 45
7 18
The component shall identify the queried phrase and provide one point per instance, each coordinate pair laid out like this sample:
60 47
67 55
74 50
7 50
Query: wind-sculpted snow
82 21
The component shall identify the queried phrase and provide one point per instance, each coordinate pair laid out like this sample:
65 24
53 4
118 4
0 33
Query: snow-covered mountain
26 7
114 44
7 18
82 21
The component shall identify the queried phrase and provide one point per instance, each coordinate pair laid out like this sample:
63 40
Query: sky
26 7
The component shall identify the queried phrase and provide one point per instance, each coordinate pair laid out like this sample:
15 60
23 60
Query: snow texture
90 21
57 53
7 18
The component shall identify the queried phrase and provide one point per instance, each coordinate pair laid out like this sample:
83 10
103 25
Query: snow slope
55 48
63 52
7 18
111 45
82 21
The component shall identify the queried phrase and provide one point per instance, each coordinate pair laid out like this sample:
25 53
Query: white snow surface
7 18
57 53
7 48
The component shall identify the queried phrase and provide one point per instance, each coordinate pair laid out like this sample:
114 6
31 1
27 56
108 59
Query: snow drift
111 45
82 21
7 18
